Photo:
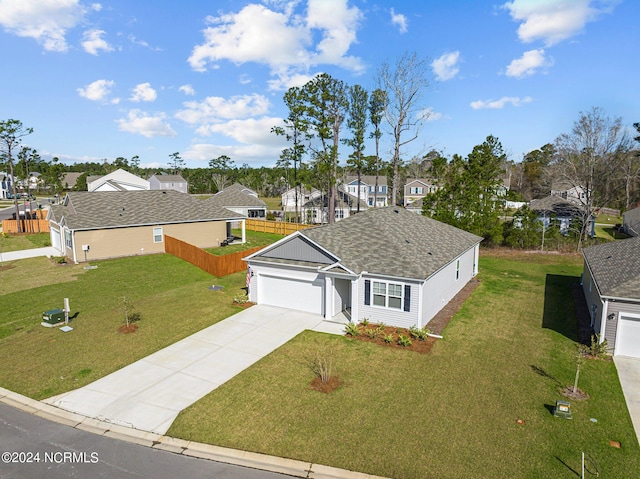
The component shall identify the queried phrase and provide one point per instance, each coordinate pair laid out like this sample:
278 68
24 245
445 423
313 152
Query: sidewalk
29 253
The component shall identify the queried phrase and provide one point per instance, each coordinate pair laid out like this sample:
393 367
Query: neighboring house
69 180
305 195
316 210
107 224
119 180
568 192
416 206
241 200
631 222
168 182
417 188
611 285
367 190
5 185
555 208
385 264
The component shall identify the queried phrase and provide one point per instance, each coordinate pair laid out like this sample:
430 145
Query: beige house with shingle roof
611 285
401 276
98 225
631 222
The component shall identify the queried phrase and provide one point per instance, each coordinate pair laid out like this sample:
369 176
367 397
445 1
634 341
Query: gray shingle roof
341 200
616 268
170 178
113 209
632 221
557 205
393 241
367 179
233 196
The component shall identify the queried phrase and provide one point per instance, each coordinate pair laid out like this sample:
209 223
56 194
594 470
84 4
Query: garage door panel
292 293
628 341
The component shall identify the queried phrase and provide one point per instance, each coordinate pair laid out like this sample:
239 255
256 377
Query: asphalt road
34 447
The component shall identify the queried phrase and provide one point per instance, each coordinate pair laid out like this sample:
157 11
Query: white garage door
628 340
291 293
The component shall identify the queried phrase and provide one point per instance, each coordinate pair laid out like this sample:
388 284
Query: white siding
443 286
389 316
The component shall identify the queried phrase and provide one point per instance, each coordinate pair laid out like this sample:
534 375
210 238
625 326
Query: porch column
328 297
355 313
244 234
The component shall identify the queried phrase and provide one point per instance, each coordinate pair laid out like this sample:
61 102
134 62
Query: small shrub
321 363
381 327
417 333
372 333
351 329
596 348
60 259
241 299
404 340
365 322
388 338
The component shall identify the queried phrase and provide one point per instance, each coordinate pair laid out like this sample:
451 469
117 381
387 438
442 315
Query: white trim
620 314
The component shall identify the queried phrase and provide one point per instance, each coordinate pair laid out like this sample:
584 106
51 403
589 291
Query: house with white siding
401 276
611 285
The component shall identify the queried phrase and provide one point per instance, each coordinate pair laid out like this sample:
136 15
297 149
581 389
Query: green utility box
52 317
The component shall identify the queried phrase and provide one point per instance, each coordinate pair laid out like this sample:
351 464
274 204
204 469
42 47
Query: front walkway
29 253
150 393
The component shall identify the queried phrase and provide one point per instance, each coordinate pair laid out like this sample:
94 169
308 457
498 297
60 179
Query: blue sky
149 78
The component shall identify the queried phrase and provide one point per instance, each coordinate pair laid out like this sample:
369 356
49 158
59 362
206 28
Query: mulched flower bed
436 325
331 385
124 329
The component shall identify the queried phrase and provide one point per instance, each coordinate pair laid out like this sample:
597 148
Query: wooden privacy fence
277 227
27 226
212 264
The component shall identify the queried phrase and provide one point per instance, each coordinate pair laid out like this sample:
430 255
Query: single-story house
168 182
554 208
385 264
631 222
316 210
119 180
98 225
241 200
611 285
70 179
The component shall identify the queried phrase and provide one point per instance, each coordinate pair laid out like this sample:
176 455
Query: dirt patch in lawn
126 329
326 387
389 336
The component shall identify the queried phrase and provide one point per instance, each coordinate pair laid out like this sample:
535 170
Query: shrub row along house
386 264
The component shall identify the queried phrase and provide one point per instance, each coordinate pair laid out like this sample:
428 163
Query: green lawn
449 414
253 240
16 243
172 296
273 203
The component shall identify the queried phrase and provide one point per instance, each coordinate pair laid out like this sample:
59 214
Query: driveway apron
629 375
149 393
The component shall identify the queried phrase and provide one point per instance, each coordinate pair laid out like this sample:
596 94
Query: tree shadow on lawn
559 311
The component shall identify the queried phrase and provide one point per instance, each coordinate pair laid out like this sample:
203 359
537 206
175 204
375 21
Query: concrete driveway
629 375
29 253
149 393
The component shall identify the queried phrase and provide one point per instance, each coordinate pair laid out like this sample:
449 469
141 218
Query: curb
253 460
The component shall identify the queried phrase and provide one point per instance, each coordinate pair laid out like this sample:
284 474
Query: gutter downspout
603 321
73 246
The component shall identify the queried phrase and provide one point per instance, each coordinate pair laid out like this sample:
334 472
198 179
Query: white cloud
283 40
143 92
528 64
501 103
553 21
446 67
249 131
46 21
215 108
141 123
92 42
250 154
187 90
400 20
429 114
96 7
98 90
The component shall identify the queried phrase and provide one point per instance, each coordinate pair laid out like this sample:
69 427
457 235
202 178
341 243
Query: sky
118 78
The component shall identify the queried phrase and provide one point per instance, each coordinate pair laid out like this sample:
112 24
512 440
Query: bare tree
377 107
588 159
404 84
11 134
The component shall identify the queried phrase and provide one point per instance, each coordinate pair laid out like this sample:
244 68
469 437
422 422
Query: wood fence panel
276 227
28 226
215 265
